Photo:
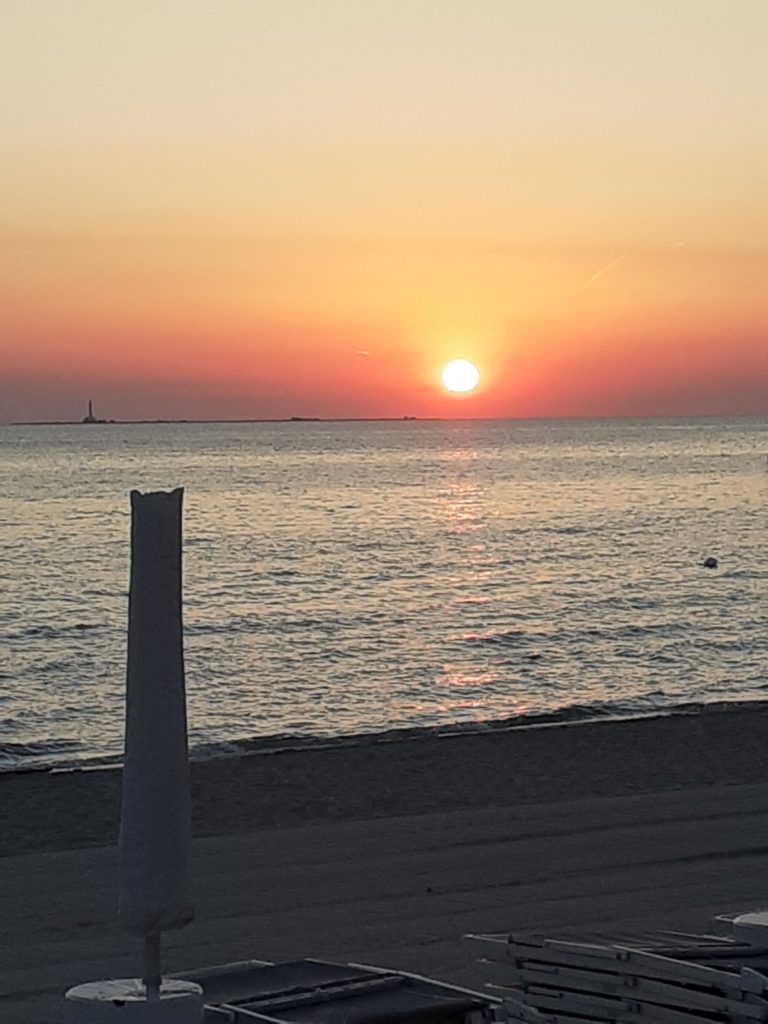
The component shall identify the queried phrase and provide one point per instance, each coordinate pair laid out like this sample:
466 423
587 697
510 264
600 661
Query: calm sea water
356 577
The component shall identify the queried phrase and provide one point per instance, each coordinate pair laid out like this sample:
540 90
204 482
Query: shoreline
717 745
572 716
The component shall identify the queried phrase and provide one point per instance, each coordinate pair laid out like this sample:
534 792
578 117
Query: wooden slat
642 989
612 1010
753 981
626 961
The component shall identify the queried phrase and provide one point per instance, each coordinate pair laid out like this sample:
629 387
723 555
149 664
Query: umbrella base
751 928
125 1000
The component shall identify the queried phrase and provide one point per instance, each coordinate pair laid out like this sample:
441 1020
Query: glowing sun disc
460 376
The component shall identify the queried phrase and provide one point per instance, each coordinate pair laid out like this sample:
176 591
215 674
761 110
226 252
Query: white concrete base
752 928
125 1000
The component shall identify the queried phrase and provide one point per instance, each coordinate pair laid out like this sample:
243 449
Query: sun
460 376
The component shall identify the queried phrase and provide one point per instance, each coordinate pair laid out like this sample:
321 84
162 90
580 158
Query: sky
252 209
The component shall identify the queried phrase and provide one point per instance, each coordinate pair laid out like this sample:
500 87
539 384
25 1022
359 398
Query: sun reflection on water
461 680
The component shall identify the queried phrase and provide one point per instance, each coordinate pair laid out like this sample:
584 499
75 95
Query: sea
378 579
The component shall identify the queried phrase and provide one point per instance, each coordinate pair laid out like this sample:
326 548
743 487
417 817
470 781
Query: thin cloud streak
609 266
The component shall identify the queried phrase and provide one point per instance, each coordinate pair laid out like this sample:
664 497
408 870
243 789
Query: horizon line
378 419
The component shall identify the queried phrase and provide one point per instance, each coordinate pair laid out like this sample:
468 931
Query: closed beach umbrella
154 847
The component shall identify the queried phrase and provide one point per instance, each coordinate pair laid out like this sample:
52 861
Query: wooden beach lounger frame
707 980
316 990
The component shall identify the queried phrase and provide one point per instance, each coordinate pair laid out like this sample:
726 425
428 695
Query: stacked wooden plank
652 980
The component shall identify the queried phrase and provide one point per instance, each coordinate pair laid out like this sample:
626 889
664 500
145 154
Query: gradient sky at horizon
258 209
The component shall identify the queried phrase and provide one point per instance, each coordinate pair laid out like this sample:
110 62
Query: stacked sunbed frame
674 978
320 992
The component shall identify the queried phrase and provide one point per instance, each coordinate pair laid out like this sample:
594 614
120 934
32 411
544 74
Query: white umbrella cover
154 846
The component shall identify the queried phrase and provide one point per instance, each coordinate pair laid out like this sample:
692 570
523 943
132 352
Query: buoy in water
710 563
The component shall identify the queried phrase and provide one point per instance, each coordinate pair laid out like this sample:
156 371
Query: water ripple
358 578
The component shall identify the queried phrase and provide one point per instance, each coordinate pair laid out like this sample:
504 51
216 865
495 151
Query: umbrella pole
152 977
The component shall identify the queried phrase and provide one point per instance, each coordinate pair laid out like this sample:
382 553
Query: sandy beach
388 853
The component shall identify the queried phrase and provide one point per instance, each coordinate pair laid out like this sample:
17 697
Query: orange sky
273 210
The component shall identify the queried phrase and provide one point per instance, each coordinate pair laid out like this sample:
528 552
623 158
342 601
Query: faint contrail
607 267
